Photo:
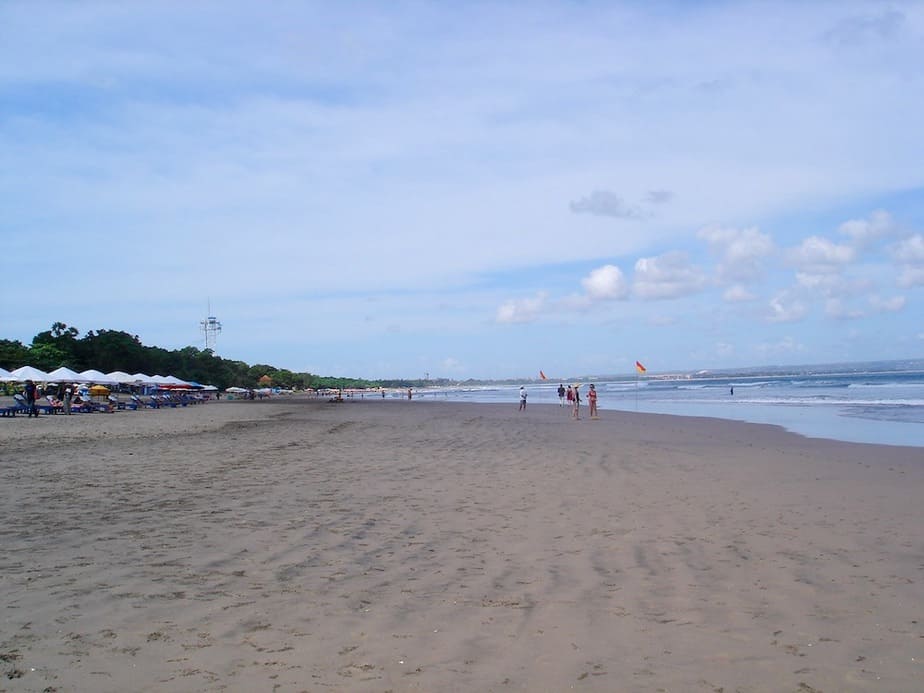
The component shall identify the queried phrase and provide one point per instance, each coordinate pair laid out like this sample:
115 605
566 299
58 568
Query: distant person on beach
561 395
570 397
592 401
576 411
30 391
522 398
410 394
733 391
68 395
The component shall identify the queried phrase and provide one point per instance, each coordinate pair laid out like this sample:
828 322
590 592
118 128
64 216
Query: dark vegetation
113 350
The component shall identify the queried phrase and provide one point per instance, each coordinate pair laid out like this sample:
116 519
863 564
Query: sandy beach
297 545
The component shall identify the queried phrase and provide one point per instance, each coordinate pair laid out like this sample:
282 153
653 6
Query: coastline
431 545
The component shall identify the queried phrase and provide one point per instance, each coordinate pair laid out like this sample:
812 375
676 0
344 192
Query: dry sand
423 546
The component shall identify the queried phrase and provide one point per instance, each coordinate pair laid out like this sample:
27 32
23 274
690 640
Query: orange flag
542 376
639 367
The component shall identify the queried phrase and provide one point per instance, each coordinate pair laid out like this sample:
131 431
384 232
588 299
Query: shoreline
372 546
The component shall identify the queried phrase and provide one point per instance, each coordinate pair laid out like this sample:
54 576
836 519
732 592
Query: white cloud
836 309
739 250
738 294
667 276
832 285
816 255
605 283
910 251
887 305
786 308
521 310
864 231
606 204
911 276
787 345
909 255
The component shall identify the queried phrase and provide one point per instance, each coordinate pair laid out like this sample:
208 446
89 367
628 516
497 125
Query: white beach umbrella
5 375
173 380
29 373
94 376
64 375
142 378
121 377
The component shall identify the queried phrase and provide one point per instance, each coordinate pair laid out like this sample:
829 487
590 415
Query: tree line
114 350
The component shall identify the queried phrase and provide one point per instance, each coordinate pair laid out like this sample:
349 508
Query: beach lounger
20 407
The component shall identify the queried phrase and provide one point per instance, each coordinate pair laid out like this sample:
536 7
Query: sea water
856 405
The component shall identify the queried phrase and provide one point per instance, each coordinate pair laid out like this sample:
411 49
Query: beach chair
123 405
53 406
20 407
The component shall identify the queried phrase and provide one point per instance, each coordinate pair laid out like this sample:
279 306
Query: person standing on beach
570 397
30 392
68 395
576 411
561 395
522 398
592 401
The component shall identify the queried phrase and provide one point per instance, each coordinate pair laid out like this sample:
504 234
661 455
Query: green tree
13 354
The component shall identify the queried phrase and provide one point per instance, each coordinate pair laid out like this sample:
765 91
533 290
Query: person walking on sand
592 401
570 397
30 392
561 395
522 398
576 410
68 396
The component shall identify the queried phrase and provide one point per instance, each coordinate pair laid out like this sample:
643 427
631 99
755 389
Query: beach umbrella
64 375
95 376
142 378
99 390
5 375
29 373
121 378
173 381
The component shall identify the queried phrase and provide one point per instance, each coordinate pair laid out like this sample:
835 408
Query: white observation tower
211 329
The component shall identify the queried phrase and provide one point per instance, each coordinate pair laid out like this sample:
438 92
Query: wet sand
297 545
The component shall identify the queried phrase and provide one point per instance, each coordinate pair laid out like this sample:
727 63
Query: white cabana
142 378
172 380
29 373
122 378
94 376
65 375
5 375
158 379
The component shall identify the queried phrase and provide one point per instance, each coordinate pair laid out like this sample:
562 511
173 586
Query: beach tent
5 375
236 390
94 376
65 375
142 378
121 378
29 373
173 381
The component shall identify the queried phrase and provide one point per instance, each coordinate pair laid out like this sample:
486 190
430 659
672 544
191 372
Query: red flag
639 367
542 376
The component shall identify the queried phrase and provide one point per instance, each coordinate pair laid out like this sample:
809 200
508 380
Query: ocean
879 403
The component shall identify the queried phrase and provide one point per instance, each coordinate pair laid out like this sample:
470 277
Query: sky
468 190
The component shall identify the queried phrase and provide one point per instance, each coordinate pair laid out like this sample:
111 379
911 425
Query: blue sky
470 189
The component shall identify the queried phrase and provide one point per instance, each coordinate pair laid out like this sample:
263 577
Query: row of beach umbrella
66 375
